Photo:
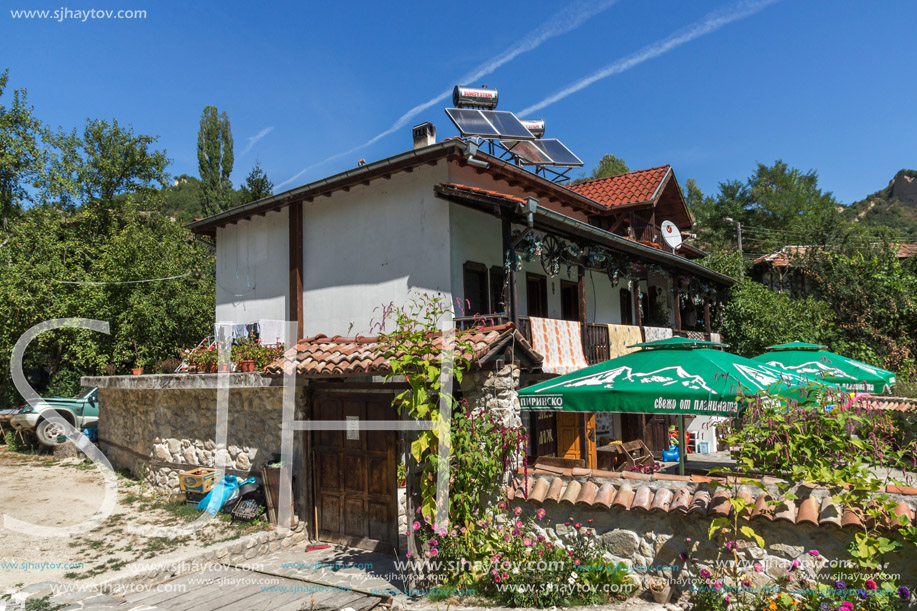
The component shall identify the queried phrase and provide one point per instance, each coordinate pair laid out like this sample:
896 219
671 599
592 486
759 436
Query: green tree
215 160
608 166
257 185
756 317
777 205
23 157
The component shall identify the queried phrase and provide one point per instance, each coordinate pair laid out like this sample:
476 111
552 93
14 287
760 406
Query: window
476 289
627 308
536 294
569 300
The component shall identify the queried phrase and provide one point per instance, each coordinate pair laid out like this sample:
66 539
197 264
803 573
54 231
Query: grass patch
42 604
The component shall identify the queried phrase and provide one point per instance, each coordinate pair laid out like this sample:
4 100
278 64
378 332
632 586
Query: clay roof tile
571 492
555 490
605 495
624 498
539 490
663 500
681 500
643 498
808 511
587 494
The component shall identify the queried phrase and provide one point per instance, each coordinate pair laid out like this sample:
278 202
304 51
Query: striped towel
561 344
621 339
656 333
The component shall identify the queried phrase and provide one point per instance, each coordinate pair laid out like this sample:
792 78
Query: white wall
252 269
370 246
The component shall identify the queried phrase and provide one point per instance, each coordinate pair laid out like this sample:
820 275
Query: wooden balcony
595 337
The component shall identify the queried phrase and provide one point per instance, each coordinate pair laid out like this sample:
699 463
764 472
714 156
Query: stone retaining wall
158 426
652 542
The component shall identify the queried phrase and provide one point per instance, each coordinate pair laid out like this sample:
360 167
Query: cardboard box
196 480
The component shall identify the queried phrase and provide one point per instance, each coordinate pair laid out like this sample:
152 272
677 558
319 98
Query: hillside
895 206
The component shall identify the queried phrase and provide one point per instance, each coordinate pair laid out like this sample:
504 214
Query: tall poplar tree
215 159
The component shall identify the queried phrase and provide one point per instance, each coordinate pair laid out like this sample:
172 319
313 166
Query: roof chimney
424 135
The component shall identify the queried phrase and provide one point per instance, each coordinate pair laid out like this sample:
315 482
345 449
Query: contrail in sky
710 23
565 21
253 140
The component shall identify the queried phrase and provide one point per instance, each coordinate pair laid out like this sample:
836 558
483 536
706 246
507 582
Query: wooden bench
618 456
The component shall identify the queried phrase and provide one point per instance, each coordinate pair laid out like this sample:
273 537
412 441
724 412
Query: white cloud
708 24
253 140
565 21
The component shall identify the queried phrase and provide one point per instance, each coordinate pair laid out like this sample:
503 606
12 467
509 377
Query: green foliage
64 383
756 317
111 247
479 444
254 350
257 186
775 201
12 441
215 160
500 556
731 263
23 156
872 292
608 166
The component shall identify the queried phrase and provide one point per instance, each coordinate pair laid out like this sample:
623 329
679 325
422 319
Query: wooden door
591 453
656 434
569 442
355 493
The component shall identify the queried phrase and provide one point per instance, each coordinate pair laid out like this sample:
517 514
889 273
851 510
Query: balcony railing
596 342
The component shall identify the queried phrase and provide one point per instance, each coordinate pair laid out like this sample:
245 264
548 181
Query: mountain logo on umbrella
812 367
660 376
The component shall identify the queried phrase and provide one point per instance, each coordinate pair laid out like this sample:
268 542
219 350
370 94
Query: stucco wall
371 245
252 269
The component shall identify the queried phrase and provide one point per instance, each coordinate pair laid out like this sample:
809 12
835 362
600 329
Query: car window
85 393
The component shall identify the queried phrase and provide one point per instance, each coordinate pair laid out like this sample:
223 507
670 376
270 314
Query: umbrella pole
682 450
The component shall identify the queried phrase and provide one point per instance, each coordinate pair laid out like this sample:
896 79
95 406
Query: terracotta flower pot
224 367
247 366
662 596
137 371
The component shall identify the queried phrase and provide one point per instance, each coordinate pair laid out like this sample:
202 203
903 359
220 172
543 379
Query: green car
82 411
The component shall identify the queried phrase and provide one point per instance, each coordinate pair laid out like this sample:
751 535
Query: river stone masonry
158 426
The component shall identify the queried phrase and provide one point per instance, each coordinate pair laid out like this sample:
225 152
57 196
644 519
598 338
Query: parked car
82 411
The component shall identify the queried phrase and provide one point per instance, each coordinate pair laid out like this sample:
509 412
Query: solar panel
508 126
557 151
488 123
528 152
550 151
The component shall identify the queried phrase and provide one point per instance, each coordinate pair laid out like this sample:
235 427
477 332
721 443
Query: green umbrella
815 362
672 376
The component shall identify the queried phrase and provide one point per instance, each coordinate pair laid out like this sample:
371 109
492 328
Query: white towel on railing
561 344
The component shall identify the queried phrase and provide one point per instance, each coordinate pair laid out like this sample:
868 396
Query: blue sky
824 85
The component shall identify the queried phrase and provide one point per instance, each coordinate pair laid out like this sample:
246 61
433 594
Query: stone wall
158 426
494 391
651 542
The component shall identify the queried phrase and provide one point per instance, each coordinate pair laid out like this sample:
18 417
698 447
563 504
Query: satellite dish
671 235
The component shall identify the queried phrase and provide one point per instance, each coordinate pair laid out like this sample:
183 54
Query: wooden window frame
544 281
474 266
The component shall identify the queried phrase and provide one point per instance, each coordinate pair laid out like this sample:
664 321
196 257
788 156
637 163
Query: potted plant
660 589
138 370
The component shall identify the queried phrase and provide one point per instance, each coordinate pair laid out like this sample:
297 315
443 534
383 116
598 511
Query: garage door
356 497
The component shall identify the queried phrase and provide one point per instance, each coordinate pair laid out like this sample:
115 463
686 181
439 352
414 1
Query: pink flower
517 511
434 552
758 567
501 505
870 584
541 552
540 513
518 524
416 525
408 555
577 526
814 552
527 542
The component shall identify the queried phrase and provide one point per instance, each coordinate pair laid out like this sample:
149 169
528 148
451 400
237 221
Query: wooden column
581 295
706 315
677 304
512 298
638 319
296 267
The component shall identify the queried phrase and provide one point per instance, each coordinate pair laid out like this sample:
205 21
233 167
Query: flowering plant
251 349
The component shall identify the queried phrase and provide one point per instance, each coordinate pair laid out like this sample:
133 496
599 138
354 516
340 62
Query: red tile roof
907 250
628 491
340 356
480 191
633 187
889 404
786 255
